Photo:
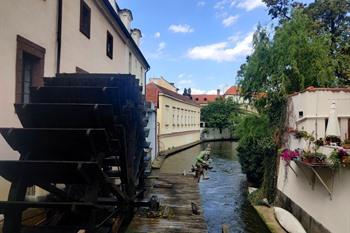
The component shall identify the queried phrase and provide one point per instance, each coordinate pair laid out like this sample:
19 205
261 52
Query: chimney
136 35
218 91
126 16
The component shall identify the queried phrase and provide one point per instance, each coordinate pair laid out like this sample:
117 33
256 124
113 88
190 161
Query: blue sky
196 43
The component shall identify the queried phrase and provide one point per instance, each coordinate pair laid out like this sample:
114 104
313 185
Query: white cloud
248 5
234 38
230 20
185 82
222 51
161 46
195 91
157 35
201 3
180 28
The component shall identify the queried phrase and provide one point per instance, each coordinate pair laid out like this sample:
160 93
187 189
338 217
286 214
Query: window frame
85 31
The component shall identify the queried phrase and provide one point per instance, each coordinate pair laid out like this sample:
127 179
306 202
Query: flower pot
346 146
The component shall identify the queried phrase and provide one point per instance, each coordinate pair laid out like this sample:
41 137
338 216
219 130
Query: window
301 114
196 99
109 45
29 68
130 63
205 99
85 18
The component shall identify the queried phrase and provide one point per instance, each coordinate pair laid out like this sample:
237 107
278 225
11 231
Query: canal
223 196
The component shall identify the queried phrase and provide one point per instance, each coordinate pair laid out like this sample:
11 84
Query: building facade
205 99
42 38
178 117
152 126
317 196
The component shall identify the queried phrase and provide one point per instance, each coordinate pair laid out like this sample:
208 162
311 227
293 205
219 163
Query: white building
44 37
317 196
152 126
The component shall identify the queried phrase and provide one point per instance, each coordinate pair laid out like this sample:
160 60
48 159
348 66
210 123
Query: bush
255 139
251 159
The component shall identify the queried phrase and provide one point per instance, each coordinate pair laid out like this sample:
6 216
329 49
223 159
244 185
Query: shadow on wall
214 134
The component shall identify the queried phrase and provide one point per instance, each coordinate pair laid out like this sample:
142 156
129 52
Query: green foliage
254 143
334 160
272 70
281 9
219 114
330 18
295 58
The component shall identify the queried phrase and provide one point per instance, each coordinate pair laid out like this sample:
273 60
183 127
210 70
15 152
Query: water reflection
224 195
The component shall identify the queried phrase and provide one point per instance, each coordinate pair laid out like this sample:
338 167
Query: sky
197 43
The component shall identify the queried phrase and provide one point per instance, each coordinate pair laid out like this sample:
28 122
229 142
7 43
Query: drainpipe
59 35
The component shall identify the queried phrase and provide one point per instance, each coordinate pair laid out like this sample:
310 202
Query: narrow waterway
223 196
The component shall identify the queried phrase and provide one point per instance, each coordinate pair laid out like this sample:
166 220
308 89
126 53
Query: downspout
59 36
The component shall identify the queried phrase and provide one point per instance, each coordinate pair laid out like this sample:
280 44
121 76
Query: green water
223 196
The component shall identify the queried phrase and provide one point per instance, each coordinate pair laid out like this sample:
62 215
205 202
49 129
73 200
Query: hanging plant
300 134
288 155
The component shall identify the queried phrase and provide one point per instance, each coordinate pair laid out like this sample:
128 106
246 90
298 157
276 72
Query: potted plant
288 155
308 157
333 139
300 134
334 160
346 144
319 142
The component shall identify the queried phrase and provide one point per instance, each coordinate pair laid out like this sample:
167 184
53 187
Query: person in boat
203 163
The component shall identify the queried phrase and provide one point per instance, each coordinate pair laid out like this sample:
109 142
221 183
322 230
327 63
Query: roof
314 89
125 31
204 99
152 86
233 90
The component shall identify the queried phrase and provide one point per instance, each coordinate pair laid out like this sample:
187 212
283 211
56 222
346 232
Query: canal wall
213 134
308 222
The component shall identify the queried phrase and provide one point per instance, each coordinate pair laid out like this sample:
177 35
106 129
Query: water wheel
82 141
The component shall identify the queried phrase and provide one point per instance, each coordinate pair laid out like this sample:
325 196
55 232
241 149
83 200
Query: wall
17 18
152 125
214 134
163 83
178 122
313 201
316 105
89 54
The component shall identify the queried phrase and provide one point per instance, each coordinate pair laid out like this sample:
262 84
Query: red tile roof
204 99
153 90
233 90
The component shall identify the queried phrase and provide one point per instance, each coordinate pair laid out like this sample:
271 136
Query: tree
296 58
281 9
332 17
255 136
218 114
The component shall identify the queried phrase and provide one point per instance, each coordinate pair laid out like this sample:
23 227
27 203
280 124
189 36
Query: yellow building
178 117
